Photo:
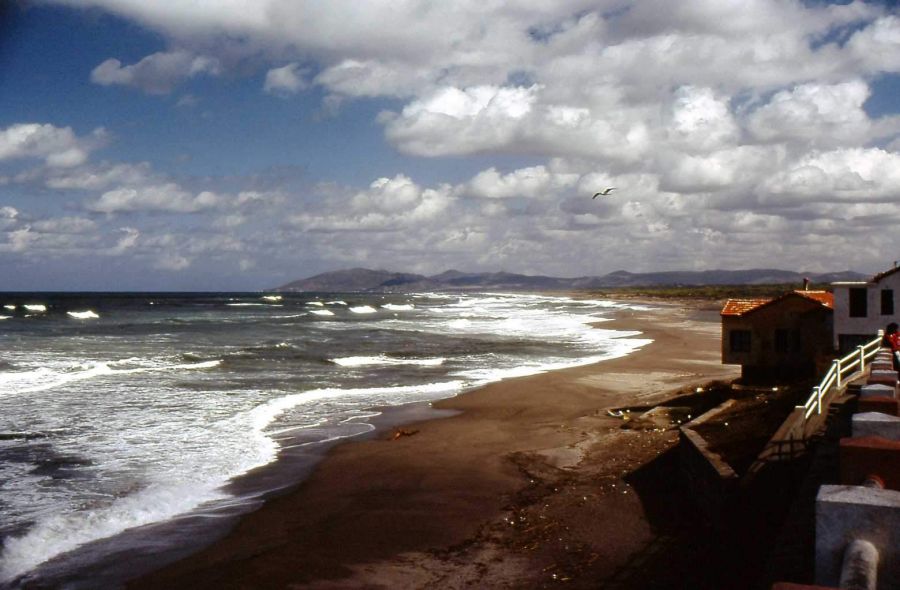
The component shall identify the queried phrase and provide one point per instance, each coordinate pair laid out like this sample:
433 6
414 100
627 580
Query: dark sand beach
530 485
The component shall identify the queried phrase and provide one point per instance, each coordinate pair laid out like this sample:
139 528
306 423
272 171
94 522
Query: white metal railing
837 375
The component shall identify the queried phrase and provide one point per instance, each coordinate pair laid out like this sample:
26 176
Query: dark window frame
740 340
858 302
887 302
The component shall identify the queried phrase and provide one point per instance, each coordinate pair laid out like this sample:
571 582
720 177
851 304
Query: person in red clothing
892 339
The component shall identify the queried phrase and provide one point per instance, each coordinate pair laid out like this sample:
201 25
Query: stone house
862 308
784 338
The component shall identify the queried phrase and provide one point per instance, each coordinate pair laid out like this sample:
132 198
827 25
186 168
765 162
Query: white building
862 308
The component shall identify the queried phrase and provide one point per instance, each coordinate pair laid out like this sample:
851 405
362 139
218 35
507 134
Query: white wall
874 321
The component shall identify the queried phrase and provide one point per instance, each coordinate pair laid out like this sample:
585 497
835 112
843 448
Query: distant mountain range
366 280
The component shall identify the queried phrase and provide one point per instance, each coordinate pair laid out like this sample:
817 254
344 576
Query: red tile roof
826 298
738 307
742 306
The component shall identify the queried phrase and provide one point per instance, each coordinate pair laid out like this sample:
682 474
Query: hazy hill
362 279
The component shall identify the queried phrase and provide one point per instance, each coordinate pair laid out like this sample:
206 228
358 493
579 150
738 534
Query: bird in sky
604 192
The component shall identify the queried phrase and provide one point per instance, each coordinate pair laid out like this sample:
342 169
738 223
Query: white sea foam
397 307
315 303
57 534
4 317
44 378
246 304
363 309
10 307
338 302
84 315
272 297
322 312
361 361
36 307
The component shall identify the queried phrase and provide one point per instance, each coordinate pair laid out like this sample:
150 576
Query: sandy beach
529 484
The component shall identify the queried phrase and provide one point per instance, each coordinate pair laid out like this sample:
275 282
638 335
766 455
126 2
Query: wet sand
532 484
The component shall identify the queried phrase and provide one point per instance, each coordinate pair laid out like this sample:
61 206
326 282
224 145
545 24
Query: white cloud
65 225
59 147
158 73
815 114
533 182
285 80
168 197
855 174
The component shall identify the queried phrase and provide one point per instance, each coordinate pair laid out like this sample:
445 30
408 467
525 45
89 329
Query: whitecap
361 361
272 297
315 303
44 378
338 302
363 309
36 307
397 307
10 307
4 317
84 315
245 304
322 312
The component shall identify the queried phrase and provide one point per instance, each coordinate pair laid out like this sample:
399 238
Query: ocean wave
84 315
361 361
10 307
338 302
4 317
44 378
272 297
322 312
397 307
246 305
35 307
363 309
315 303
53 535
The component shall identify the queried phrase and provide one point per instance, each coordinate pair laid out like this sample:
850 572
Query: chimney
805 284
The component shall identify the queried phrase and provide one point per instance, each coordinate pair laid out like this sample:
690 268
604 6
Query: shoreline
444 506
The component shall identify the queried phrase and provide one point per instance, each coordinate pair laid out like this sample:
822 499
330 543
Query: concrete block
870 455
885 405
880 365
878 390
876 424
885 377
848 513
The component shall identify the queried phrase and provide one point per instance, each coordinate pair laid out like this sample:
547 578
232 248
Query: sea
136 427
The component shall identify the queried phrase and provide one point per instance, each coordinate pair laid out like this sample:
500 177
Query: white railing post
862 359
817 391
837 372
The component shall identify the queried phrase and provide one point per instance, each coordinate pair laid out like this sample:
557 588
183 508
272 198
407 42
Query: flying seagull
604 192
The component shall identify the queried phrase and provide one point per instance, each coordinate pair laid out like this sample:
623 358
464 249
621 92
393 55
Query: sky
242 144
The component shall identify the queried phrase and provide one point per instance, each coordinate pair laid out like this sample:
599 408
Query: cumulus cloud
285 80
158 73
59 147
815 114
733 131
168 197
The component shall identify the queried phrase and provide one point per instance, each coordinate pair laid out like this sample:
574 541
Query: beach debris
615 414
401 432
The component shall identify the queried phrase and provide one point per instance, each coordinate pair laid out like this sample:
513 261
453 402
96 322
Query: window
887 302
781 341
739 340
859 307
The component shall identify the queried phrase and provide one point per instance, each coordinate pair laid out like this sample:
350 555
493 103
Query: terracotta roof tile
824 297
738 307
742 306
